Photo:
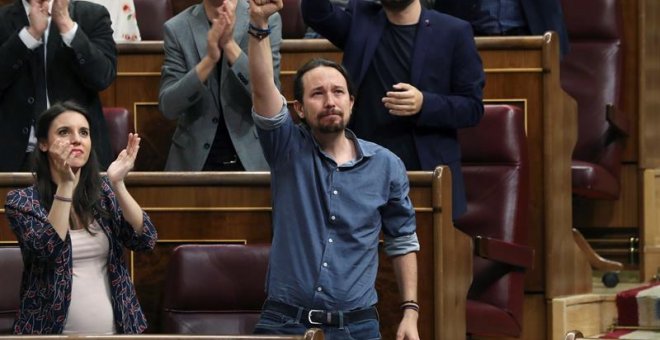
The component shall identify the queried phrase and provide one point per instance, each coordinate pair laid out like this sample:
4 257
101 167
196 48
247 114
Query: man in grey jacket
205 85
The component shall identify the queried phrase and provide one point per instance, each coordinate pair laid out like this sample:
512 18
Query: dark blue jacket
446 68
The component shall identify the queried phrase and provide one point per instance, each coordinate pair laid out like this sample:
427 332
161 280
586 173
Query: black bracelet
410 306
257 32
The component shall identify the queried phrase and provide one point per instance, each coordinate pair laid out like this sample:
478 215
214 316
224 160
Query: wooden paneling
235 207
312 334
630 82
650 230
590 313
156 133
649 84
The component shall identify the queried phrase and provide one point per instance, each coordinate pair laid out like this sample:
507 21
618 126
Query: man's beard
396 5
332 127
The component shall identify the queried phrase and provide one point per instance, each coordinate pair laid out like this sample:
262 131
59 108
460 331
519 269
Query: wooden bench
191 207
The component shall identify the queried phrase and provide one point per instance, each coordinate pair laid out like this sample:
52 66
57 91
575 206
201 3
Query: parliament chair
496 171
592 73
11 267
215 288
151 15
120 123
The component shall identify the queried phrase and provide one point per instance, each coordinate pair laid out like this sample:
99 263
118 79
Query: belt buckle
309 316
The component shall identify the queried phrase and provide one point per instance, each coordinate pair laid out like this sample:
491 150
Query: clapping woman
72 226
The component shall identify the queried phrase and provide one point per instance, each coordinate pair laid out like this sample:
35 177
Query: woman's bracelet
410 304
63 199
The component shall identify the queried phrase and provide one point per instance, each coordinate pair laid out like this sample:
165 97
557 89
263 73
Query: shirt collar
363 149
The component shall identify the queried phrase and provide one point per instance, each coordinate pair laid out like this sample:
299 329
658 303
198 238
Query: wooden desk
312 334
236 208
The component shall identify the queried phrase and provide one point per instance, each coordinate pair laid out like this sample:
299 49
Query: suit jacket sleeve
14 58
462 106
180 87
332 22
94 50
29 222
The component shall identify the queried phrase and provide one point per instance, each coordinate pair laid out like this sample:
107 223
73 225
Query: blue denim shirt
327 218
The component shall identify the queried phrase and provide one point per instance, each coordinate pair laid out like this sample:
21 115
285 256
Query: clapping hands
222 29
118 170
38 18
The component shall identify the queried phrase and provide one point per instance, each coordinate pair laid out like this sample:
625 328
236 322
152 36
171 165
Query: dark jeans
275 323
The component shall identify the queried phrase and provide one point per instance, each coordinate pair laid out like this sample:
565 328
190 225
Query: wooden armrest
595 260
618 122
502 251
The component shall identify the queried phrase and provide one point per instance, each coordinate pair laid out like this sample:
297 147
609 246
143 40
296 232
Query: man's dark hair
87 195
298 86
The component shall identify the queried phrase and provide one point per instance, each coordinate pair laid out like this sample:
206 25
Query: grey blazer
195 105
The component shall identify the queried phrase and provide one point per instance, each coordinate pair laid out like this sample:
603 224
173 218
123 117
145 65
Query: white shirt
32 43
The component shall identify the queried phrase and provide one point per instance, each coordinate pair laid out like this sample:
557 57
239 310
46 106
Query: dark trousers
274 322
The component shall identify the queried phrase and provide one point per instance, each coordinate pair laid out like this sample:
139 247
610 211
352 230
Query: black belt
322 317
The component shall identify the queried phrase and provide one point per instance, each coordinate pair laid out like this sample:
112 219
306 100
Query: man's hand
61 18
405 100
213 49
38 18
261 10
228 20
408 326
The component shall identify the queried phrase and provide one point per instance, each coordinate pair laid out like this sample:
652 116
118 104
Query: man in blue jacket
418 74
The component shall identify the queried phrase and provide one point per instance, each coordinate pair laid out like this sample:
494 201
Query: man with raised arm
333 194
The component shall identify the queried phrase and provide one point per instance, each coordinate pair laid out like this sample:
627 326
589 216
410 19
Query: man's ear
299 109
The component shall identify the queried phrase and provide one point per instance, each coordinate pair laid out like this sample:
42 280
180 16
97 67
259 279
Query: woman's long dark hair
87 194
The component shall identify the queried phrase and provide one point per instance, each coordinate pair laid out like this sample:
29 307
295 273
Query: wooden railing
311 334
191 207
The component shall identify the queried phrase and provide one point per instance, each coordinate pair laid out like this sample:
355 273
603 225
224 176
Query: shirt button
207 145
25 131
330 240
335 192
215 120
325 264
30 100
319 289
332 217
